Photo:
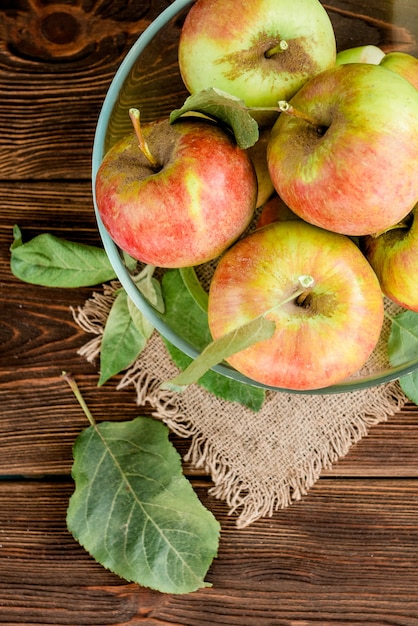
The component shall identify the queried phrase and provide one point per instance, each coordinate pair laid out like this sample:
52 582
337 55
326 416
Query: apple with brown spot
258 50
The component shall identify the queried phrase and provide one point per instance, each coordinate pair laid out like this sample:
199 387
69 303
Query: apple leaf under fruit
220 385
194 287
134 511
403 347
186 314
125 335
182 314
150 287
225 108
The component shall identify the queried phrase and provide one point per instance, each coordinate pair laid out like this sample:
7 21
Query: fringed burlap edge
252 501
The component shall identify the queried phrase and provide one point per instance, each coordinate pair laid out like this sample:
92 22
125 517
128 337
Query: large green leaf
54 262
135 512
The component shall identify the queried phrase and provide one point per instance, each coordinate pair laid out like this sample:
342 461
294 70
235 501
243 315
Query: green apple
181 198
360 54
344 154
394 257
258 50
325 330
402 63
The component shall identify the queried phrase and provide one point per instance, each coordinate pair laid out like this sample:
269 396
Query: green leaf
188 318
135 512
122 342
258 329
220 385
403 338
194 287
150 288
182 314
409 385
54 262
403 347
140 321
225 108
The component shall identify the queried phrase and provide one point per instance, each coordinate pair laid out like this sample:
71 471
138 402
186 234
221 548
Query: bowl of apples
259 173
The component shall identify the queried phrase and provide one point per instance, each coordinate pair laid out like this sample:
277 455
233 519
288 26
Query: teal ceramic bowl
149 79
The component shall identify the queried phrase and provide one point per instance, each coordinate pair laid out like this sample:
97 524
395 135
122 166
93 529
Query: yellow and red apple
345 155
394 257
324 332
186 208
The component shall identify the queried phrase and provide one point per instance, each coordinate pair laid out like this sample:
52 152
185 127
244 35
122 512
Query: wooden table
346 554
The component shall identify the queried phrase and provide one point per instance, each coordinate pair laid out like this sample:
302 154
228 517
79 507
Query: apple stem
307 282
286 107
280 47
134 114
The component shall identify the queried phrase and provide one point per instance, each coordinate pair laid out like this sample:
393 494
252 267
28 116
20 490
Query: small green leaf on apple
221 386
187 317
224 108
242 337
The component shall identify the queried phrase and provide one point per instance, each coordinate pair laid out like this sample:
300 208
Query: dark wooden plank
346 555
56 64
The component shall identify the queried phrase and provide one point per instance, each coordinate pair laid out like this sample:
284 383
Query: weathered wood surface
346 554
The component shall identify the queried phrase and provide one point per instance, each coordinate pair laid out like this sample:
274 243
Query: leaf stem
76 391
135 115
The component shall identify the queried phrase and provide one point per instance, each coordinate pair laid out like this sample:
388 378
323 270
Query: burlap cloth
259 461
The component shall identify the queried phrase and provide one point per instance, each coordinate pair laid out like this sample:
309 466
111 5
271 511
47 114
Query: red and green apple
258 50
402 63
394 257
181 201
344 154
325 331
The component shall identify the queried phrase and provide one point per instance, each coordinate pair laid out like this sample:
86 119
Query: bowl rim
116 259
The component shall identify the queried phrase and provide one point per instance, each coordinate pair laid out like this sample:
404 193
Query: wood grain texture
345 555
